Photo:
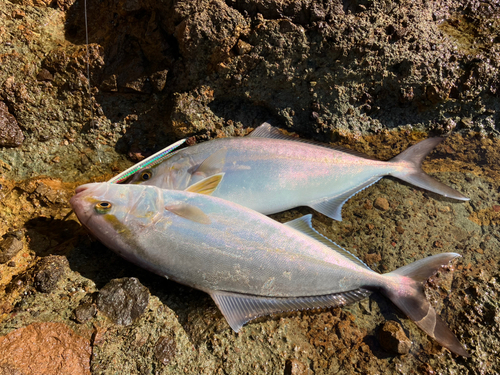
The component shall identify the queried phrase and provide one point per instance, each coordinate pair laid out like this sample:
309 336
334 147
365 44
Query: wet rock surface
372 76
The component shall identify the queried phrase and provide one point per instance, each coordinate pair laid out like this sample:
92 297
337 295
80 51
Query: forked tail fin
416 176
408 295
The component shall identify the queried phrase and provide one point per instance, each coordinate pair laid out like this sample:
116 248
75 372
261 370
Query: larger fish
250 264
270 172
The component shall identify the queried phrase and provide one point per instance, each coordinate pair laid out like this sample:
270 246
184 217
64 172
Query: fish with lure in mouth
250 264
270 172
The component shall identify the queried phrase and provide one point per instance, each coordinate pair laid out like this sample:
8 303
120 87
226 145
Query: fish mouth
80 188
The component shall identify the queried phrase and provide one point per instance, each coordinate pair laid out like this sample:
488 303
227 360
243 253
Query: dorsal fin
211 165
206 186
268 131
303 224
241 308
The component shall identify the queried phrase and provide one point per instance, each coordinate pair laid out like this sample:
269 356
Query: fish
249 264
270 172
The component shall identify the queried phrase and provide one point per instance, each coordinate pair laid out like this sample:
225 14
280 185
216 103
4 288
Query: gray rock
123 300
84 312
49 271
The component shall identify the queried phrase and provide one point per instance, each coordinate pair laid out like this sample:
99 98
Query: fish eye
103 207
146 175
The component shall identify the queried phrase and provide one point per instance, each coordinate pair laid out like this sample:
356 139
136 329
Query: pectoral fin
206 186
188 212
241 308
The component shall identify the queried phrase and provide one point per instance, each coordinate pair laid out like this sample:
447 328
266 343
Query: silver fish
270 172
250 264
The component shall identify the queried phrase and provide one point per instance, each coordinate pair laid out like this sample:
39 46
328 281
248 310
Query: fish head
112 211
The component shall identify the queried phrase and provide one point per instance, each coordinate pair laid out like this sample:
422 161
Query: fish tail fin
416 176
407 293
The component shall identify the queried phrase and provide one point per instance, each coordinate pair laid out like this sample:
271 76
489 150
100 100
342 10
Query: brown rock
370 259
438 244
9 247
393 339
243 47
165 349
10 132
44 75
84 312
45 348
381 204
295 367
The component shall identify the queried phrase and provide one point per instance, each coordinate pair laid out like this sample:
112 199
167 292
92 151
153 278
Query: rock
123 300
10 132
381 204
295 367
243 47
49 271
44 75
9 247
84 312
371 259
393 339
165 349
50 348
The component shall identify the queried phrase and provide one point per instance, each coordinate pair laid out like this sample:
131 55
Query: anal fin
239 309
332 206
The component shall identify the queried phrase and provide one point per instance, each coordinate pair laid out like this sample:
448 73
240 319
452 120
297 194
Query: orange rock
45 348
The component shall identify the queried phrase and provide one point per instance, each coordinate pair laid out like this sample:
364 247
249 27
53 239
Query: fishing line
89 87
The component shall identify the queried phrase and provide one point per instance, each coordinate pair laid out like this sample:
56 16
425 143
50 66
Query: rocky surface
374 76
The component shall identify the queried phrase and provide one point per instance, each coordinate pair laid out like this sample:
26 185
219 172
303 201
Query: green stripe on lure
149 162
270 172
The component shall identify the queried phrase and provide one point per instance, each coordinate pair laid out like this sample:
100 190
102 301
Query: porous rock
49 271
10 132
123 300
